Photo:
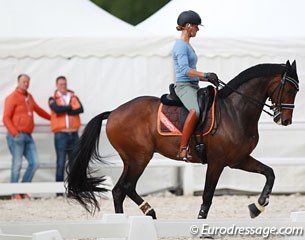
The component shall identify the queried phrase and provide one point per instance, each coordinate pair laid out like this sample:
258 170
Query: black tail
80 184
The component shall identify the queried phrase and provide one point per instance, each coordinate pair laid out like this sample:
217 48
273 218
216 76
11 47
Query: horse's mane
260 70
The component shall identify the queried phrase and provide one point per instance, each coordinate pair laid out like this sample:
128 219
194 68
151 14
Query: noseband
276 107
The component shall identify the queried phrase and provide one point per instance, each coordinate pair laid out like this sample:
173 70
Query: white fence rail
46 235
188 177
41 187
119 226
34 187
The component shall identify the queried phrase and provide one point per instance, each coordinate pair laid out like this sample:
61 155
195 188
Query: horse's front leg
212 176
252 165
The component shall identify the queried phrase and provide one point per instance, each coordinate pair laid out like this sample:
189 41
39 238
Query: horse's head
282 93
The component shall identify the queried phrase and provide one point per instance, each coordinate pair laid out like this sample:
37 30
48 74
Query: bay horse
132 131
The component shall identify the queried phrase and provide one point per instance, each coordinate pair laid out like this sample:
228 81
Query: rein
250 99
276 107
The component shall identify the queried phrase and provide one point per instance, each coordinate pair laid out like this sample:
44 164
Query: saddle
172 115
173 109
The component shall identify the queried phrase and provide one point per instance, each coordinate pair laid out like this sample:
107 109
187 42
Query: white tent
106 61
238 34
233 19
97 52
238 28
67 28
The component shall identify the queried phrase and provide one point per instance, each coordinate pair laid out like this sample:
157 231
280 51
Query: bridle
277 106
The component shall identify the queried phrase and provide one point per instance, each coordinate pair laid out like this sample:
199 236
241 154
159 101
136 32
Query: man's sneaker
17 196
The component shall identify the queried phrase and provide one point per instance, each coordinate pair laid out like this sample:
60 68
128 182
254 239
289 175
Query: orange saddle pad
171 119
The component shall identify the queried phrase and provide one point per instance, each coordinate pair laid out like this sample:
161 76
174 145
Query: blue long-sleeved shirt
184 58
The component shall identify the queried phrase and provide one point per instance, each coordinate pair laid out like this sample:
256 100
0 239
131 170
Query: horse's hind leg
127 186
252 165
119 192
134 172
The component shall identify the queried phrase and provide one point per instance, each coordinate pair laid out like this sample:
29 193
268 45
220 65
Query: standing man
18 119
65 123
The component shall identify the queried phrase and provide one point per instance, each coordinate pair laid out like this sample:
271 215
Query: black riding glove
212 78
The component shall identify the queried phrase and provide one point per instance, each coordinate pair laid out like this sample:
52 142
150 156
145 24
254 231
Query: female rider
187 77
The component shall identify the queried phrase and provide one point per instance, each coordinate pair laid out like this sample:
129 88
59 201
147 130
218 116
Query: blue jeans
64 144
23 145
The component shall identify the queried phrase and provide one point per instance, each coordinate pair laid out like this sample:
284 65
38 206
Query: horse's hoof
255 210
202 215
151 213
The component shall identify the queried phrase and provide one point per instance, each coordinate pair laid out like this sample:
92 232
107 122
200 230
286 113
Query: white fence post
188 181
114 218
297 216
141 227
47 235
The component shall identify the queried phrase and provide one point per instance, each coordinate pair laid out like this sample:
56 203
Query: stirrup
186 157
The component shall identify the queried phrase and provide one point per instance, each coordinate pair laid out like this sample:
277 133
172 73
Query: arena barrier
33 187
42 188
186 178
120 226
47 235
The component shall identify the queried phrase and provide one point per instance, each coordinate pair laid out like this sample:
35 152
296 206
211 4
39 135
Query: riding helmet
188 17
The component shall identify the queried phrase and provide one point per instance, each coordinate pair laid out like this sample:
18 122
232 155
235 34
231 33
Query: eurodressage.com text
234 230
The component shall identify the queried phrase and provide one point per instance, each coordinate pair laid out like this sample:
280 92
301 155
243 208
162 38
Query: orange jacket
18 112
65 116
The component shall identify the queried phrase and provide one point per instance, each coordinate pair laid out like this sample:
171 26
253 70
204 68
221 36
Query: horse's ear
294 65
288 64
